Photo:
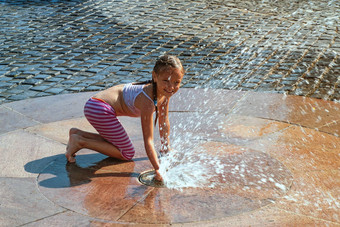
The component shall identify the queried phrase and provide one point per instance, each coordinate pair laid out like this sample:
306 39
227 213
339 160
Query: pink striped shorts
103 118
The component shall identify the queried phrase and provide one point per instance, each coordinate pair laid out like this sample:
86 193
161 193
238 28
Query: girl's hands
158 176
165 149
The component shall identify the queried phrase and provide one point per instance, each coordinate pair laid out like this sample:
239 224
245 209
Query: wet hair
163 63
166 61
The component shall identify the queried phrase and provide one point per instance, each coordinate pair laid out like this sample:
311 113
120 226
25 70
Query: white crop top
130 92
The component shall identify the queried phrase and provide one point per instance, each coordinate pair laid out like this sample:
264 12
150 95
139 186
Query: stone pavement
58 47
281 150
279 159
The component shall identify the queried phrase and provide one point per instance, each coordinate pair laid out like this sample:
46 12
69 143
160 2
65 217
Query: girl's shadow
56 172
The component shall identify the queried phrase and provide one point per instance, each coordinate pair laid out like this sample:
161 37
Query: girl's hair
163 63
167 61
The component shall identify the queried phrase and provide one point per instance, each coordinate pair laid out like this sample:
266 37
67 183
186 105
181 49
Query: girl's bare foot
71 132
72 147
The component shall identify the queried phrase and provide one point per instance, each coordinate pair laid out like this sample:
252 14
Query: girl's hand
165 150
158 176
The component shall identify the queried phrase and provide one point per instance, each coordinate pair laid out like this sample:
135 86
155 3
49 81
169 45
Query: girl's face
168 81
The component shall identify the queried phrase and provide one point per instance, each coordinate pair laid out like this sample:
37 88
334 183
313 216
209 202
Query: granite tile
52 108
266 216
302 149
332 128
59 130
21 202
25 154
11 120
308 112
310 196
260 133
236 191
247 127
67 218
104 189
164 206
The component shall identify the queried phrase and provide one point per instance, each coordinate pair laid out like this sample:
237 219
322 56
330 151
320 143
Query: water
202 155
190 168
211 164
211 142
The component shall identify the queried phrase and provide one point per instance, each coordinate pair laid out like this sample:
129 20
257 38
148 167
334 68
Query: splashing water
190 168
189 164
206 156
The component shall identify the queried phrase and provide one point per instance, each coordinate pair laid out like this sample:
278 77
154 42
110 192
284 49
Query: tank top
130 92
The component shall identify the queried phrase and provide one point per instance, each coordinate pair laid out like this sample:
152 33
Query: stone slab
309 196
21 202
312 113
11 120
296 145
25 155
267 216
332 128
54 108
101 191
67 218
250 128
59 131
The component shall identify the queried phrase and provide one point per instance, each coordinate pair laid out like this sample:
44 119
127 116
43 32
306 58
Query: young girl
134 100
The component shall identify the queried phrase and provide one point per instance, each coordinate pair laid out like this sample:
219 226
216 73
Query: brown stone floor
292 142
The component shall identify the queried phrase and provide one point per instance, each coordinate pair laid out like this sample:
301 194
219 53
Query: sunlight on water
195 163
190 168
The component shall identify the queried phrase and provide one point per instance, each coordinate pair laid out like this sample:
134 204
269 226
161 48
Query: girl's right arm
148 128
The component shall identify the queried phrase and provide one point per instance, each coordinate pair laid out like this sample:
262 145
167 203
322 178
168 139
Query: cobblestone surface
57 47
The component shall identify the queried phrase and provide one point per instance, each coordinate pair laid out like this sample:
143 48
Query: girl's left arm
164 125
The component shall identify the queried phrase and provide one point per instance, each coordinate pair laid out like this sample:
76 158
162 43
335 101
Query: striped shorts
103 118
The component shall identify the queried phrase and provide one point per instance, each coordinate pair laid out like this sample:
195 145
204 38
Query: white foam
184 168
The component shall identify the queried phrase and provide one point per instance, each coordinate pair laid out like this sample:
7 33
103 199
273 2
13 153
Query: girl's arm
147 128
164 125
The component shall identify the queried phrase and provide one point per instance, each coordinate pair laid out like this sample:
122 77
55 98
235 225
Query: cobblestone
73 46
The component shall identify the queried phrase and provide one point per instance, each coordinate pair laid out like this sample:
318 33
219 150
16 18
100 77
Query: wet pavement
58 47
280 162
264 64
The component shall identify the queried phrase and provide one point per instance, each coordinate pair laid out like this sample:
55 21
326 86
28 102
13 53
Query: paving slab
264 105
277 168
66 218
307 112
267 216
19 147
14 120
332 128
56 130
21 202
54 108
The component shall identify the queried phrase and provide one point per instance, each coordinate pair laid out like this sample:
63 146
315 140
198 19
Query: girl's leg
73 147
112 140
77 142
85 134
103 118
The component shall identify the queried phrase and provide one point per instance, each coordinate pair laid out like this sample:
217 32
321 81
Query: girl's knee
128 159
74 131
128 155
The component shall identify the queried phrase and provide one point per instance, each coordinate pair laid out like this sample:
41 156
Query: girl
135 100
